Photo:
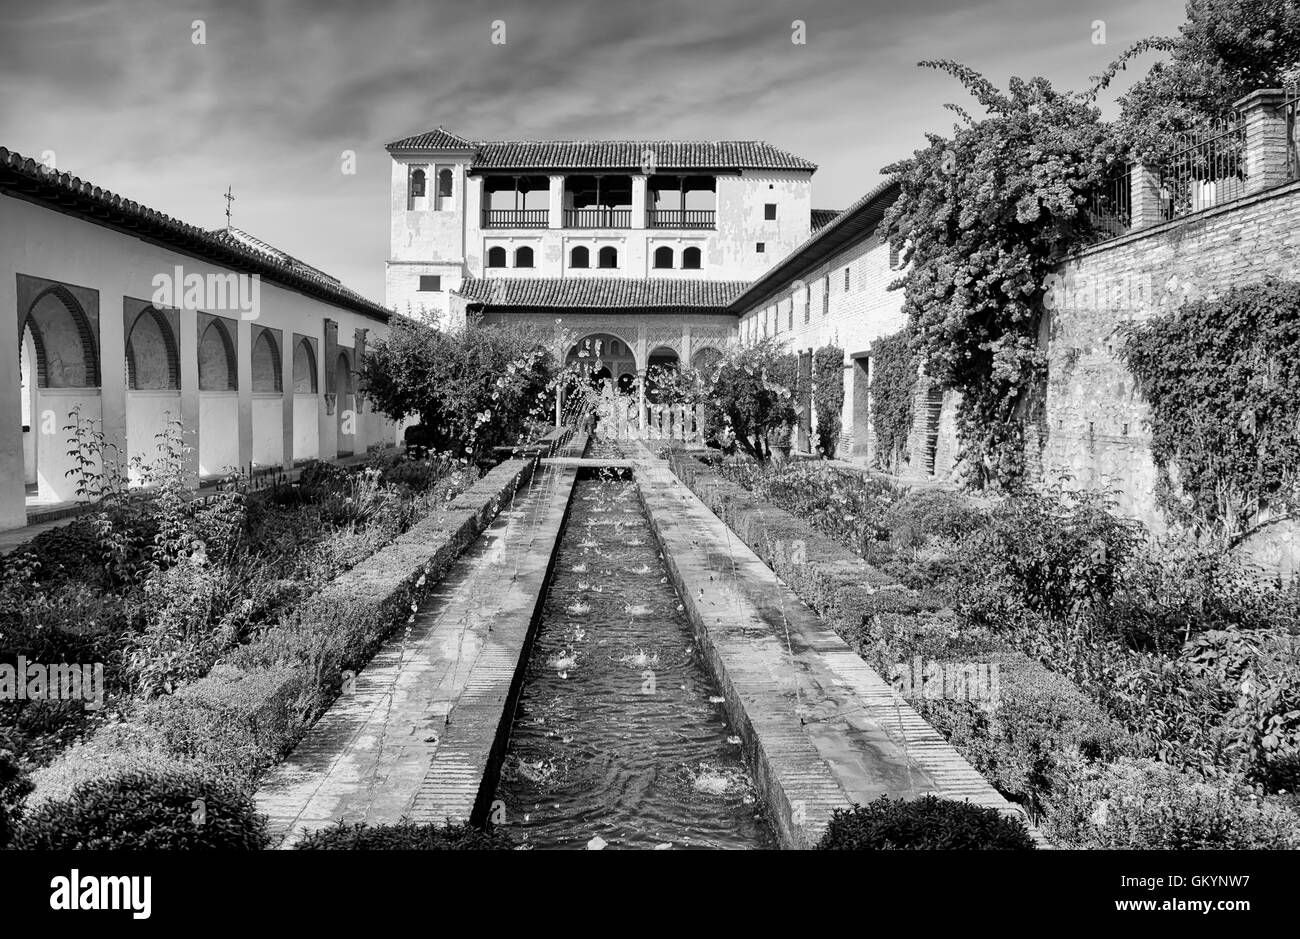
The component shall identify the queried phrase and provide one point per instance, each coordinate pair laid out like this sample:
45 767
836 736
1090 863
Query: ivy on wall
982 219
828 396
1223 380
894 364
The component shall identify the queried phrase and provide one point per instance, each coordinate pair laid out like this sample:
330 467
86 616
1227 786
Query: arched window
580 257
152 361
497 257
664 257
524 257
304 367
417 184
217 359
608 257
266 363
444 182
691 259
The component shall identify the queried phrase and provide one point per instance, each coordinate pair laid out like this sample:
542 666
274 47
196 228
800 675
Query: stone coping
822 729
420 730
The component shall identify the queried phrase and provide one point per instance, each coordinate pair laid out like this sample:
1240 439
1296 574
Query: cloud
121 93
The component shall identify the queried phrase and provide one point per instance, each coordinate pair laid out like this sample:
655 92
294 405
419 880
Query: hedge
249 712
1046 721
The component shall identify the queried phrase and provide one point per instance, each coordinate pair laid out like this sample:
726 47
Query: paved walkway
431 711
823 729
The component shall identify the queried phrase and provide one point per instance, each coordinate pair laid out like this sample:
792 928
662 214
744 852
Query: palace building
650 251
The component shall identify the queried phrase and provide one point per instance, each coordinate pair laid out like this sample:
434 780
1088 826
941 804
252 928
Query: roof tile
602 292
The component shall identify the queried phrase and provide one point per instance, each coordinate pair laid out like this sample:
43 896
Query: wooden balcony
680 218
598 217
516 218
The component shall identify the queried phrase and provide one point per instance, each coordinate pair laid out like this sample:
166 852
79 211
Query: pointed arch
305 379
66 350
217 363
266 362
153 359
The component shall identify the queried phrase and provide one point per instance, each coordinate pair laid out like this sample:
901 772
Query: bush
1144 804
926 824
404 836
14 787
176 809
1041 725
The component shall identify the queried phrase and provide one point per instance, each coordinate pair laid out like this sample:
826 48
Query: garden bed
1060 751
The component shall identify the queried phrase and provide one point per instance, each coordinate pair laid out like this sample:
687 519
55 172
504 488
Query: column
244 382
328 411
112 369
190 429
556 217
640 393
13 494
1266 144
286 399
639 186
362 437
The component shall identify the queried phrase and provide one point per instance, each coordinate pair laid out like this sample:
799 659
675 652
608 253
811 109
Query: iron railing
1110 208
1208 168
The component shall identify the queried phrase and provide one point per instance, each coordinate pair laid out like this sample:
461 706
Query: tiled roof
240 237
437 139
823 217
74 196
601 292
611 154
628 154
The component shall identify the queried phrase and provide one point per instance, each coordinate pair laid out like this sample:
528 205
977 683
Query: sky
279 91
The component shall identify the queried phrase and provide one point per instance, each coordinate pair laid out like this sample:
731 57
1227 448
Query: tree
981 220
1225 50
751 388
473 388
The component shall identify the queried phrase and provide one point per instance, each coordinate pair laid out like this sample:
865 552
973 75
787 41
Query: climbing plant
1221 377
981 219
894 365
828 396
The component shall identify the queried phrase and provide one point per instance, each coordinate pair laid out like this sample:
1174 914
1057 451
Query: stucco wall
117 270
823 311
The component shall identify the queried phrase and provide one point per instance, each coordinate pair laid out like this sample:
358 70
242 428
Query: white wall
43 243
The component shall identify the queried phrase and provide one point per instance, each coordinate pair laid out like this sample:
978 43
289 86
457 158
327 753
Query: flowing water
620 737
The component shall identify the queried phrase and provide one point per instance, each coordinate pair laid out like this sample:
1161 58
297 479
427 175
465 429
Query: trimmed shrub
925 824
176 809
1040 725
236 720
1139 803
404 836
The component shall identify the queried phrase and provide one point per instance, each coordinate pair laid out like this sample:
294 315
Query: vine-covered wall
1098 426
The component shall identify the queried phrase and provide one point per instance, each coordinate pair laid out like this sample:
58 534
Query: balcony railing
516 218
680 218
599 217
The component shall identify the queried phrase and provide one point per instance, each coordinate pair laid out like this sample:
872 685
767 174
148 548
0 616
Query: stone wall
1097 427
